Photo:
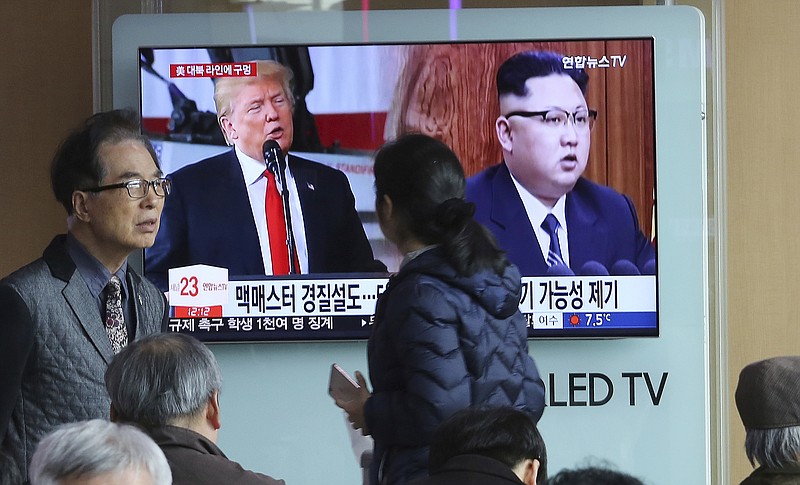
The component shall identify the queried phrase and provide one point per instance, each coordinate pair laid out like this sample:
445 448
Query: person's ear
504 135
212 410
388 205
384 208
80 206
228 130
529 471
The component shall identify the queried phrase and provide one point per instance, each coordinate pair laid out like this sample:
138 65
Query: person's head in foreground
166 379
768 400
419 199
504 434
593 475
107 177
98 452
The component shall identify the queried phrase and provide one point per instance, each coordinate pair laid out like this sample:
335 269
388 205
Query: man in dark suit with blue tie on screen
543 212
223 210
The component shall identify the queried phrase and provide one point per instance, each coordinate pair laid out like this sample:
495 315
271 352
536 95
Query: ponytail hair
425 181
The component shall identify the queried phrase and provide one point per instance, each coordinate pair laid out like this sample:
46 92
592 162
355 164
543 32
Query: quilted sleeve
16 327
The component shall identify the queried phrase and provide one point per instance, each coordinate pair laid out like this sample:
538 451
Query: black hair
520 67
593 476
425 181
76 164
505 434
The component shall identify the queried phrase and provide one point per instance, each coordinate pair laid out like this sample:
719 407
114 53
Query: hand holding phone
341 386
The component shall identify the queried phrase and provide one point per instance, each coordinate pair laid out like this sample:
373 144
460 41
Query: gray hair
88 449
774 447
160 378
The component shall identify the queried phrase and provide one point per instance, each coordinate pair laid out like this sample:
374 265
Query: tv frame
388 37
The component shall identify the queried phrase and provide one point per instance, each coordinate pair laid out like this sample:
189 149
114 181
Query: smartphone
341 386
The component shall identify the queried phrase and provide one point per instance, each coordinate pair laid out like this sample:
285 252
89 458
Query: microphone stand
287 215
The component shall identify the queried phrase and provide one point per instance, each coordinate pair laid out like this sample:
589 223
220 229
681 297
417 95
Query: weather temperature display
587 319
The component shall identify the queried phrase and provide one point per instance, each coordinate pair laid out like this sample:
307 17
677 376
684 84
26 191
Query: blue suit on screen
602 225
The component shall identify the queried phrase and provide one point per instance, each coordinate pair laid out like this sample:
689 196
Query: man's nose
272 112
151 199
569 134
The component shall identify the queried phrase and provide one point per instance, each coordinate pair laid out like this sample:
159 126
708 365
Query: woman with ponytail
448 333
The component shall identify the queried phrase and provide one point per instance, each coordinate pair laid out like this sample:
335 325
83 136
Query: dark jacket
195 460
443 342
471 470
787 475
54 348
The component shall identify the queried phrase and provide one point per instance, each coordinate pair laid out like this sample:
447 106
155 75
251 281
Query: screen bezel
602 101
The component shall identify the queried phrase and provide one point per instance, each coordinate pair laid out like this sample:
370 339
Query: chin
568 182
145 242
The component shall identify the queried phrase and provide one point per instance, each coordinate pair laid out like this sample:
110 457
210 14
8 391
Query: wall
763 174
46 85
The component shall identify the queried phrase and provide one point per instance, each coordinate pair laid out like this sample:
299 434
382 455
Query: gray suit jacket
54 349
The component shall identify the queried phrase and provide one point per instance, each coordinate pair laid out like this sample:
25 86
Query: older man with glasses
65 315
536 202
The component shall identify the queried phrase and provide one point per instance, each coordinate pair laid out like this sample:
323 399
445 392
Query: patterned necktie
115 319
551 226
276 227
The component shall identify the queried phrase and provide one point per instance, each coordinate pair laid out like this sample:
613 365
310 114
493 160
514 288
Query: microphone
649 267
273 156
623 267
593 268
559 269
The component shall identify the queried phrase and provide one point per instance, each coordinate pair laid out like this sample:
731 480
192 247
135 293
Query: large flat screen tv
351 98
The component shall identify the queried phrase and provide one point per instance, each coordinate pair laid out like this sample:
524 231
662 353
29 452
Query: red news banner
216 69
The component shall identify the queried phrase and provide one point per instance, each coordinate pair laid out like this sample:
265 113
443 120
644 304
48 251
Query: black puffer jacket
443 342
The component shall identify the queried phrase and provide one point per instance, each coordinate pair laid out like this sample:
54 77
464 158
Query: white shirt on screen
256 182
537 212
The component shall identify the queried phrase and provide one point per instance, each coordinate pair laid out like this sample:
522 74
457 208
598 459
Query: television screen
595 278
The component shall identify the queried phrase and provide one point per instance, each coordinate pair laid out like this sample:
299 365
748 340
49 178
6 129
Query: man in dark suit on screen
65 315
219 215
536 202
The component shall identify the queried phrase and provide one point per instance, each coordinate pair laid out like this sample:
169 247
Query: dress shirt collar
93 272
413 254
252 169
538 211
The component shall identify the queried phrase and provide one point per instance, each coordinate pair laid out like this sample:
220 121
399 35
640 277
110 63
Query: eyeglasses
139 188
582 119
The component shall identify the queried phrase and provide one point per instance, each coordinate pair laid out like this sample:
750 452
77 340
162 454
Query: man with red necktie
217 214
